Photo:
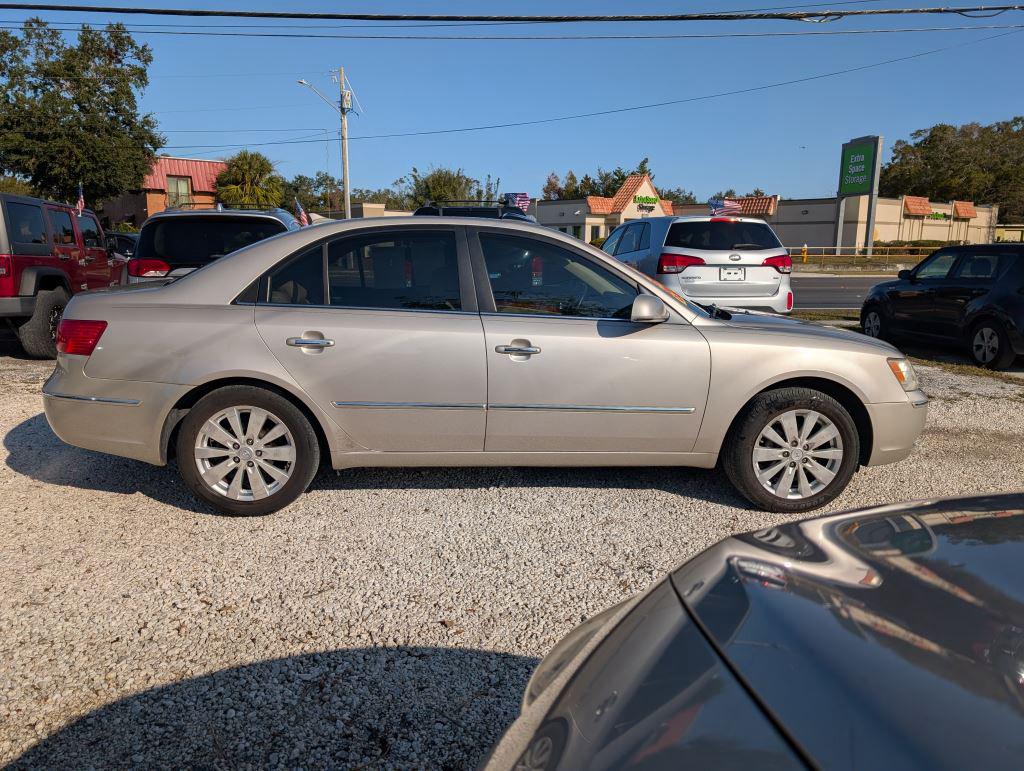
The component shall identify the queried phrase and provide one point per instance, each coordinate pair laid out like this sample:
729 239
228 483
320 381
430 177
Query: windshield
709 234
192 241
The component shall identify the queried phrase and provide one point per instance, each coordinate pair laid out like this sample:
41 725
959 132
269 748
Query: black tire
873 322
301 438
738 450
989 346
38 335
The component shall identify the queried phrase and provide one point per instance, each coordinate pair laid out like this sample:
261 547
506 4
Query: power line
667 36
652 105
822 15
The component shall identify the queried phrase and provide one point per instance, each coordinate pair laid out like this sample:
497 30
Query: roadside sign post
859 166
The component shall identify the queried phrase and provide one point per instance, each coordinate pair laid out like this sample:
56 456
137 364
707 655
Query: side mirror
905 275
648 309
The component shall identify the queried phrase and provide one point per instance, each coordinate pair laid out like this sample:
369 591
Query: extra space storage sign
859 161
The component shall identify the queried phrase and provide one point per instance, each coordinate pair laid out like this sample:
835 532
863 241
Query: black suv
177 241
491 209
972 296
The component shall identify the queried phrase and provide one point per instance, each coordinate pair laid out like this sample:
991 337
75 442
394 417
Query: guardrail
887 258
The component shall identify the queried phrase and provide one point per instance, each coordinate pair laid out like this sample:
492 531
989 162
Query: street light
343 106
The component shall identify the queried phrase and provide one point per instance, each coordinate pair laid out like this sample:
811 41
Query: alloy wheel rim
872 324
986 345
245 453
798 454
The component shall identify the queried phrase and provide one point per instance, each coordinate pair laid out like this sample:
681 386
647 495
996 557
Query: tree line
69 115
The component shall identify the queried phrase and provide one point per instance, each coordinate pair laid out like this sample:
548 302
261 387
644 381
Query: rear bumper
896 426
119 417
17 307
706 292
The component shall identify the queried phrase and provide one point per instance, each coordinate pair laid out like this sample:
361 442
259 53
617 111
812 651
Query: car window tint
90 230
531 276
630 239
936 266
415 270
25 223
63 230
612 241
191 241
721 234
983 267
300 281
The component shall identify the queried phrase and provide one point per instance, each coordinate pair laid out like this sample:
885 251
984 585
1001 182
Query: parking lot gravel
389 618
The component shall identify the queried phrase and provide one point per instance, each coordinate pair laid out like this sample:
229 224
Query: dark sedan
969 296
886 638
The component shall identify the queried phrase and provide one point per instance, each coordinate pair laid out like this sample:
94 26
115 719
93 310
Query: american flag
522 200
80 205
303 219
728 206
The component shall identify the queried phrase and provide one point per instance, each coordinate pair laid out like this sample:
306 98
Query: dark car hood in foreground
887 638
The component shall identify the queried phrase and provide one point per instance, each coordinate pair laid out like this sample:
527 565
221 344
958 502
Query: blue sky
785 140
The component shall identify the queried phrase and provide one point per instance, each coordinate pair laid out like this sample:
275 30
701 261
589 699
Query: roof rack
472 208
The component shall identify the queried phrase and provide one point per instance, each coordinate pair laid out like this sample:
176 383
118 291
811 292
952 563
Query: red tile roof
666 206
964 210
599 205
203 173
916 205
758 205
625 193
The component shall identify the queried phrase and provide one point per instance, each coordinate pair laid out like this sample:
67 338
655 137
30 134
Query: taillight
725 219
148 268
781 262
677 263
79 337
6 276
789 301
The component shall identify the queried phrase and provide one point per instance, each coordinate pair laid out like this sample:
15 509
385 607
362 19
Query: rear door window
411 270
630 239
721 235
194 241
62 227
984 267
26 229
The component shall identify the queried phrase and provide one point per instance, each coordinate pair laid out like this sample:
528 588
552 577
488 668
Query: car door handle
309 342
513 350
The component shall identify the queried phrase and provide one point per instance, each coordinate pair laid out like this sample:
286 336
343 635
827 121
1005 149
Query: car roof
15 198
280 215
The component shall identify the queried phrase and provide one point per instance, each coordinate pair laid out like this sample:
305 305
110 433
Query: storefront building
594 217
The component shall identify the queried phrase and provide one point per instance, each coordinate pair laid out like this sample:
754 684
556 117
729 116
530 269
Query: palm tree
249 180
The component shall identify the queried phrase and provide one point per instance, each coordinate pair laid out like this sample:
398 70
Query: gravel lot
390 618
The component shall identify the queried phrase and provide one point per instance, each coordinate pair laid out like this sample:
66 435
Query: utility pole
345 105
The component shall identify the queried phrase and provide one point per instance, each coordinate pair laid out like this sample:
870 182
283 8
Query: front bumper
896 426
17 307
119 417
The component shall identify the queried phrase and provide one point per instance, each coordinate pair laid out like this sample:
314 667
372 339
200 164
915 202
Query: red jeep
47 254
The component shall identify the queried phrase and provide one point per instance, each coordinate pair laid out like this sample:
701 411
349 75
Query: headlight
903 372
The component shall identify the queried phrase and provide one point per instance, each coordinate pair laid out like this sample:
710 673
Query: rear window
25 223
722 235
188 241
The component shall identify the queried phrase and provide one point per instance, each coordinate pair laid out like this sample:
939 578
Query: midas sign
650 199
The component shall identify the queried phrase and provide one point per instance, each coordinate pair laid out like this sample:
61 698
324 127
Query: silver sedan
465 342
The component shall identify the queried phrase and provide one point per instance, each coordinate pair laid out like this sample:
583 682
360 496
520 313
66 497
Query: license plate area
732 274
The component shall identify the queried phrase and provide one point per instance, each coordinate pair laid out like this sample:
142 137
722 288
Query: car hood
752 321
892 637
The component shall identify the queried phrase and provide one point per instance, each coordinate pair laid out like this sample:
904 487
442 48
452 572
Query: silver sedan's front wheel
792 449
245 453
247 450
798 454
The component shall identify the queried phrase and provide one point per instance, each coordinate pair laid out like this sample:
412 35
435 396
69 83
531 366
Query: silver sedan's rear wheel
792 450
798 454
245 453
247 450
